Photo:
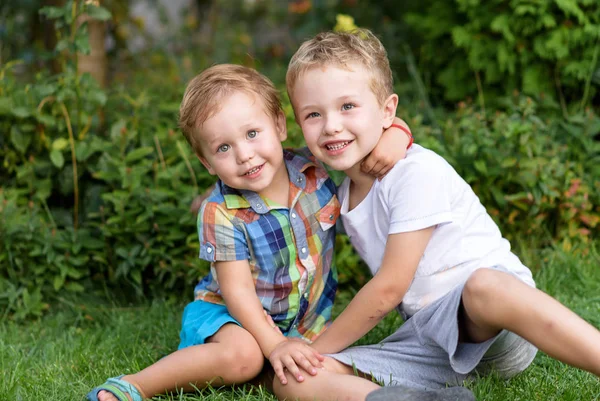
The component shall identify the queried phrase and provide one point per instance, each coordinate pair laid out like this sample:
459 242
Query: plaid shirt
289 250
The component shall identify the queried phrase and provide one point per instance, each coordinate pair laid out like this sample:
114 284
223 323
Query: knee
483 286
293 390
289 391
306 390
243 363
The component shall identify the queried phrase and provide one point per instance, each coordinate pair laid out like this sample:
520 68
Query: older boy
268 230
470 304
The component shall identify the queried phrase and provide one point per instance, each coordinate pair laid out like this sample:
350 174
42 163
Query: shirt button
258 206
300 179
330 217
209 250
293 215
303 250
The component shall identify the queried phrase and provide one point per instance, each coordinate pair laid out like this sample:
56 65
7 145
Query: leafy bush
95 188
537 177
493 47
96 185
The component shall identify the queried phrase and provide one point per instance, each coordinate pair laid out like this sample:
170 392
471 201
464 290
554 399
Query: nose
244 153
333 125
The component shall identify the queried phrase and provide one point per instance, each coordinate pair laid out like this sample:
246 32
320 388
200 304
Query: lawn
79 344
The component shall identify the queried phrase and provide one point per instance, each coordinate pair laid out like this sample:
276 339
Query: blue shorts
201 320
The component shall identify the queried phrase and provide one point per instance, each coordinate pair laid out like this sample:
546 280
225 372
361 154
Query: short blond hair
341 49
205 92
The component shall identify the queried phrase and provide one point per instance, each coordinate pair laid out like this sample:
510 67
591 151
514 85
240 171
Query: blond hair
205 92
341 49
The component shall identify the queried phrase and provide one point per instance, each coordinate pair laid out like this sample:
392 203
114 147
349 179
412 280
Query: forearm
247 309
363 313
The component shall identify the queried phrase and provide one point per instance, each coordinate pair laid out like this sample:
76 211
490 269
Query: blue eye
223 148
347 106
252 134
313 115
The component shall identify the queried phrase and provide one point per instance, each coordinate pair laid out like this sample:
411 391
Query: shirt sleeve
419 195
220 239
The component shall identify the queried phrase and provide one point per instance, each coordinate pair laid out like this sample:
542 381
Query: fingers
278 368
292 367
367 165
308 362
377 169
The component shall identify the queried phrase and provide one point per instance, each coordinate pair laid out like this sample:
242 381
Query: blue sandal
117 387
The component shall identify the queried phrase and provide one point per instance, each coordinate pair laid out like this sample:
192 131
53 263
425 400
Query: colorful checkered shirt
289 250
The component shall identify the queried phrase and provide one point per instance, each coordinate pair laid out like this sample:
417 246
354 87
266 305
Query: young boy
268 230
470 305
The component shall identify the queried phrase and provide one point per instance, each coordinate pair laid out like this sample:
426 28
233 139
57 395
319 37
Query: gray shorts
425 352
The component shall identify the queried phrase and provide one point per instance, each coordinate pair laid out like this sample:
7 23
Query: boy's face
242 144
339 114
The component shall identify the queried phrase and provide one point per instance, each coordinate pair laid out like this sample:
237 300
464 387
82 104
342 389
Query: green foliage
493 47
537 177
96 184
91 196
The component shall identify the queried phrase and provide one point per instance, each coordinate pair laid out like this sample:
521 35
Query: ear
389 110
281 125
206 164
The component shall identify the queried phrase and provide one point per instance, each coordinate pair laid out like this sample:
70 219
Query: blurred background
96 180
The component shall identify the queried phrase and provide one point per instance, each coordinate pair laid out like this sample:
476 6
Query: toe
106 396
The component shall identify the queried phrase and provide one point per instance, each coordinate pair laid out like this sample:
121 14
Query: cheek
310 132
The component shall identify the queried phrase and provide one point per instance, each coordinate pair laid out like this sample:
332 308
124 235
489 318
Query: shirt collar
300 164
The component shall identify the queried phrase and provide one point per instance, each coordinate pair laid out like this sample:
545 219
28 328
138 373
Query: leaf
74 287
57 158
83 151
58 282
97 96
117 128
19 139
510 162
480 166
5 105
52 12
62 45
21 112
46 119
60 144
82 44
138 154
136 276
43 189
98 13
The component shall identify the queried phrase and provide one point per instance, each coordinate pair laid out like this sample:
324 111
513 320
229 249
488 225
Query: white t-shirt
421 191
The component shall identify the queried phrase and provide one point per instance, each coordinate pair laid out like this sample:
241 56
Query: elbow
391 295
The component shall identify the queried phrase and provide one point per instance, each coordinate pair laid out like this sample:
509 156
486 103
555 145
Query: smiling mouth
254 170
338 145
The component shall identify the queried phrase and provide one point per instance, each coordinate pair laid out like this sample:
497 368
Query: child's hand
290 354
391 148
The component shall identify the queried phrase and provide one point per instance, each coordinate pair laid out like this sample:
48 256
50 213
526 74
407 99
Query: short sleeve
419 195
220 239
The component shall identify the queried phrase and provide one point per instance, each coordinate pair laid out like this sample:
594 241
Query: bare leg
335 382
496 300
230 356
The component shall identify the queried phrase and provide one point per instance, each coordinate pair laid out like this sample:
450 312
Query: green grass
75 347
